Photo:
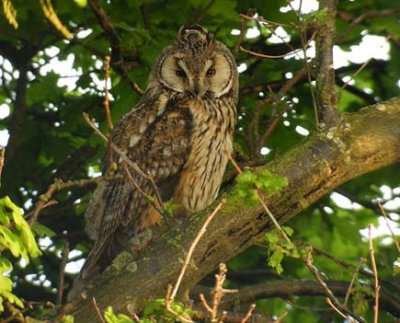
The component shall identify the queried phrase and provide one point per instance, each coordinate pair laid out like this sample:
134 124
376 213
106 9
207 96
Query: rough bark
365 141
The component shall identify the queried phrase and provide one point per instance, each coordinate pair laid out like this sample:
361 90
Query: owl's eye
180 73
211 72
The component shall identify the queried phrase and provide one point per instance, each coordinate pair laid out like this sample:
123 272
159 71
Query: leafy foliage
17 239
278 248
115 318
156 311
248 184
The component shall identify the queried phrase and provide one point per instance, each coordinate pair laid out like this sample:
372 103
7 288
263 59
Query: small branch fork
218 294
331 300
46 200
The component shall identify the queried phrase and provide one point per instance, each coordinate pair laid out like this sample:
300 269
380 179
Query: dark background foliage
49 139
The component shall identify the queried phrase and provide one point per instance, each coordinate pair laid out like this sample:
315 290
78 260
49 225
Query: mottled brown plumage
178 134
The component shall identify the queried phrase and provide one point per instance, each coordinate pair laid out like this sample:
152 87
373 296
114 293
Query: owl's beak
198 89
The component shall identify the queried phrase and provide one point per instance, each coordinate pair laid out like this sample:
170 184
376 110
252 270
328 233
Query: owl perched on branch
178 136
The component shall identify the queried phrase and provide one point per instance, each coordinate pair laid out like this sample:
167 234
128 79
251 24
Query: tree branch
326 97
370 140
116 58
288 288
19 113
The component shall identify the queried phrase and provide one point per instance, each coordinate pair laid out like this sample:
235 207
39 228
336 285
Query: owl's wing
157 139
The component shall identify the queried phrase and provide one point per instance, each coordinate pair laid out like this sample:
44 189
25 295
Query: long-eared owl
178 134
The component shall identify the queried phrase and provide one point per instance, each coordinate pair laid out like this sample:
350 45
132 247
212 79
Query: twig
43 199
293 51
218 290
347 265
353 279
328 300
124 157
249 313
314 271
281 317
308 69
388 225
218 293
2 155
202 13
360 69
309 78
205 304
283 90
242 28
114 147
366 15
58 185
375 271
260 55
101 319
168 302
221 319
272 217
262 20
106 97
159 205
61 275
193 246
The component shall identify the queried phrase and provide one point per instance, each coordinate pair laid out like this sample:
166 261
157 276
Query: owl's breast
211 141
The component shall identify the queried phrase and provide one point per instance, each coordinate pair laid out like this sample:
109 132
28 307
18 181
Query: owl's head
197 64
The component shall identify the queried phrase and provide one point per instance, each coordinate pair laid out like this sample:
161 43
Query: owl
177 135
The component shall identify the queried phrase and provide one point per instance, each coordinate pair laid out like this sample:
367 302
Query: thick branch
369 140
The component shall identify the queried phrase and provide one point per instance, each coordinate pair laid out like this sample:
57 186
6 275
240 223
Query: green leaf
68 319
11 242
42 231
5 265
247 184
5 284
157 308
115 318
81 3
12 298
21 243
278 248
